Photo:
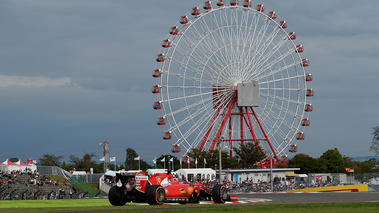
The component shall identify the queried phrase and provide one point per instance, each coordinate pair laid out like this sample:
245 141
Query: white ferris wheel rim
193 63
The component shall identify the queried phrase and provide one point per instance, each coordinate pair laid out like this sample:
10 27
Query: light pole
219 157
272 180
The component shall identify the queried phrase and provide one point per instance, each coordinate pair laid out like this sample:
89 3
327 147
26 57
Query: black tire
155 195
219 194
116 196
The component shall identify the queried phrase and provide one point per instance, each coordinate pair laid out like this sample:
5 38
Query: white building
258 175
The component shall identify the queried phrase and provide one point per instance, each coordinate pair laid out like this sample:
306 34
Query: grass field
102 205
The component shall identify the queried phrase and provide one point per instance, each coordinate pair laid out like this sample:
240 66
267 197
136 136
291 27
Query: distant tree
200 155
51 160
348 161
13 160
365 171
130 163
306 163
375 141
85 163
167 164
248 154
332 160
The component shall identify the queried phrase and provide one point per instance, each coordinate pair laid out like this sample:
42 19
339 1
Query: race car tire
116 197
155 195
219 194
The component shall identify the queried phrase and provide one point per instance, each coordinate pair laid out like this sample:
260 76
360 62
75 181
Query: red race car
161 188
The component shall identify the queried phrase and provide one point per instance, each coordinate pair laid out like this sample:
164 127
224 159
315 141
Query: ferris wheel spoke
197 54
275 60
277 70
286 100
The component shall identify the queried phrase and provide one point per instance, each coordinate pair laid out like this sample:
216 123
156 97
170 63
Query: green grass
98 205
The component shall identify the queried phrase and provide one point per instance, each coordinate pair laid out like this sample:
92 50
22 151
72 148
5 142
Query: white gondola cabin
283 24
292 35
305 62
308 108
195 11
166 43
161 57
272 15
247 3
157 73
305 122
174 30
234 2
260 8
207 5
161 121
167 135
300 136
157 105
292 148
310 92
220 3
308 77
184 20
299 48
175 149
156 89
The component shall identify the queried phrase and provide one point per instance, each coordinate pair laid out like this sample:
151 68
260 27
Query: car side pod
219 194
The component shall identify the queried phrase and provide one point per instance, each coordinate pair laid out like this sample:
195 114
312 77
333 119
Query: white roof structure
192 174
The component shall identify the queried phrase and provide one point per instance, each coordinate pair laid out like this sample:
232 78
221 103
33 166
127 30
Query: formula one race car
161 188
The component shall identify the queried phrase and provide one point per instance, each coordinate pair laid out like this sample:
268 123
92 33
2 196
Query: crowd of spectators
249 186
28 184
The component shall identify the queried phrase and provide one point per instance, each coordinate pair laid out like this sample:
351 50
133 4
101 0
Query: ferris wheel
231 74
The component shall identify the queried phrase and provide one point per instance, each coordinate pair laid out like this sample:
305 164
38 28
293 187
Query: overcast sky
75 73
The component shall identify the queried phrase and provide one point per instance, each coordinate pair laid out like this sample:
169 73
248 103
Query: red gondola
308 108
300 136
292 35
207 5
166 43
308 77
157 105
161 57
233 2
293 148
247 3
220 3
272 15
184 20
305 122
299 48
284 159
167 135
305 62
310 92
175 149
185 159
195 11
161 121
156 89
157 73
260 8
283 24
174 30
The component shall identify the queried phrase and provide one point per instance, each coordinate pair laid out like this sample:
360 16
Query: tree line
245 156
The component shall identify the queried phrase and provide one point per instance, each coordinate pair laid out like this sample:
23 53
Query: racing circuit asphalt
314 197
